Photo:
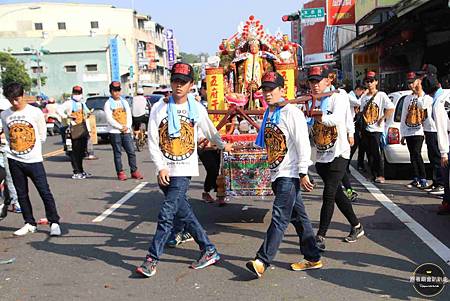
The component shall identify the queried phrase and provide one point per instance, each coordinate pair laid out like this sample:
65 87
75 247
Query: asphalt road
96 260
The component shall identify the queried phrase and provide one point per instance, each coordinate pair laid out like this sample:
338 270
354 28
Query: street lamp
37 53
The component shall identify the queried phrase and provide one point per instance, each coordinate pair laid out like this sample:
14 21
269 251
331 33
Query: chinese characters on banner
114 59
150 52
170 48
215 92
288 73
340 12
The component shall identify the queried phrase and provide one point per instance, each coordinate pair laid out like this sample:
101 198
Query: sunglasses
369 80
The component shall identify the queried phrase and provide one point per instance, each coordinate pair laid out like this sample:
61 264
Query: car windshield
96 103
399 108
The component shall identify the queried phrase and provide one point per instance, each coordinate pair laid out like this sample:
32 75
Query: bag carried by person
79 130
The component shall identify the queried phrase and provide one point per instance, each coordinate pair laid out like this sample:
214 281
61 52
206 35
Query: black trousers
211 162
435 157
332 174
20 173
375 157
77 154
6 196
414 144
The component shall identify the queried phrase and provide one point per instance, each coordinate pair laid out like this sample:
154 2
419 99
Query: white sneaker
27 228
78 176
55 230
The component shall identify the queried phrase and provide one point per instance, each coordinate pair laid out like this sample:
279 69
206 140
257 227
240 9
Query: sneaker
379 180
444 209
208 258
78 176
185 237
148 267
428 188
306 265
55 230
352 194
207 197
3 211
355 233
320 242
413 184
257 267
422 184
121 175
15 207
176 241
438 190
137 175
27 228
86 174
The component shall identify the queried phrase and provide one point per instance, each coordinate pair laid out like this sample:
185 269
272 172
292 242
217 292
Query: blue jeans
288 207
20 173
126 141
176 204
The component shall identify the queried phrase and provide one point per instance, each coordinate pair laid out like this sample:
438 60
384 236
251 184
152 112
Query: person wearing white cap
138 110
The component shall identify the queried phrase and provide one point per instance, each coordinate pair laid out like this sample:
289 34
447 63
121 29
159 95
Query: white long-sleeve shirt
287 144
442 122
25 131
426 104
354 102
380 103
119 117
330 135
179 155
407 129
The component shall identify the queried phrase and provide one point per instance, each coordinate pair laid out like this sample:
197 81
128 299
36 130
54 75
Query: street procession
198 149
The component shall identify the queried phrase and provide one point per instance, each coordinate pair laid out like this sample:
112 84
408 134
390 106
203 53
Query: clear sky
200 25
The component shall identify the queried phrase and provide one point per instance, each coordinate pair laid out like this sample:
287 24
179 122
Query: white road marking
119 203
436 245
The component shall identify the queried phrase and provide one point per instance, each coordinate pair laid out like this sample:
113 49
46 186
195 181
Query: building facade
48 23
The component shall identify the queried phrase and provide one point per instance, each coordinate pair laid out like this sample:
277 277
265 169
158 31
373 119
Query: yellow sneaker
257 267
306 265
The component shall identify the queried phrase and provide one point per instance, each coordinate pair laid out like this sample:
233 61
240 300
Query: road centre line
119 203
53 153
423 234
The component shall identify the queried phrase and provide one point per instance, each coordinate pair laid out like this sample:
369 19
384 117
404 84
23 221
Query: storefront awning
404 7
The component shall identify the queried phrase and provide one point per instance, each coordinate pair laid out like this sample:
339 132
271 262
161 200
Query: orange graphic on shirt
120 115
275 145
179 148
324 136
415 116
78 116
21 137
371 113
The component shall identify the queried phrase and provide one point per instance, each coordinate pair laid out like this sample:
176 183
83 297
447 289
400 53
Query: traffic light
291 17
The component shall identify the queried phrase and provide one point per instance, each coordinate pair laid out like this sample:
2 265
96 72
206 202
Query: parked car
395 153
96 105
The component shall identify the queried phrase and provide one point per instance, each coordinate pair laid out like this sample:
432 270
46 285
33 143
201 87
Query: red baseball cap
272 80
318 72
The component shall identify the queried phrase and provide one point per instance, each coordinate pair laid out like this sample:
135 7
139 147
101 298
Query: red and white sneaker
121 175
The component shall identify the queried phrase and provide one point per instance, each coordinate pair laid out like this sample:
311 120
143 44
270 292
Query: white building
136 31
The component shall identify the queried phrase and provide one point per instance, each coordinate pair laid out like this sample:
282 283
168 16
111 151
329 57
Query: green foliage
190 58
34 81
13 70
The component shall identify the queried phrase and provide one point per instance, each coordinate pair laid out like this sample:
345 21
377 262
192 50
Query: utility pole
37 58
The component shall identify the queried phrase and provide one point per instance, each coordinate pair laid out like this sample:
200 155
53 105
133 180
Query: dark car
96 104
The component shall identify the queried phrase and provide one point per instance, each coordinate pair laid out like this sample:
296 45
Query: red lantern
251 18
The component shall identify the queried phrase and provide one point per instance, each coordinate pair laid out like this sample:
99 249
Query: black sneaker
185 237
148 267
355 233
438 190
320 242
208 258
176 241
413 184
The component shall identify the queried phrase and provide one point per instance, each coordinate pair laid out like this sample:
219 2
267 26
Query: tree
190 58
13 70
